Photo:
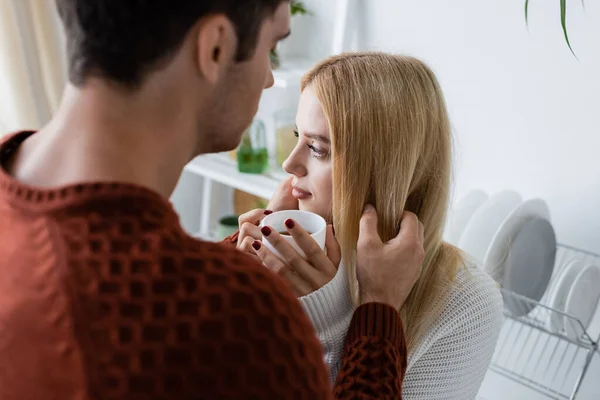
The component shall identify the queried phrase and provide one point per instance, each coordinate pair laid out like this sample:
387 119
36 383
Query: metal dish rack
533 352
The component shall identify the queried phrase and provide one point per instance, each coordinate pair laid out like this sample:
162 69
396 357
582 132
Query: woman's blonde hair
391 142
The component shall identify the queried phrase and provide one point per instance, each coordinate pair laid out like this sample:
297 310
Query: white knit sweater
451 360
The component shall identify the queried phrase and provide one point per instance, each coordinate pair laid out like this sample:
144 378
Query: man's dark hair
122 40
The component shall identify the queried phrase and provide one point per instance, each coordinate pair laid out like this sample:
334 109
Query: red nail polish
268 212
290 224
266 231
256 245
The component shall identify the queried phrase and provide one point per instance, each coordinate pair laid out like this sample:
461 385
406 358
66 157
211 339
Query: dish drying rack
538 355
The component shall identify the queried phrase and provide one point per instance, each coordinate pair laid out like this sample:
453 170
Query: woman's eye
296 133
317 153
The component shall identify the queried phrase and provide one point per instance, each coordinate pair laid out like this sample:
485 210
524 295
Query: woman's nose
293 165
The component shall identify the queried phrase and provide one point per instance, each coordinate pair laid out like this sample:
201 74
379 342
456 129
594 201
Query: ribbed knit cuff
330 305
376 320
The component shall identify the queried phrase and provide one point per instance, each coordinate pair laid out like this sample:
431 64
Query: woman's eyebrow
320 138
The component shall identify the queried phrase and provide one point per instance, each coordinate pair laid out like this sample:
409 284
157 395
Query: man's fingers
369 236
409 227
334 252
253 217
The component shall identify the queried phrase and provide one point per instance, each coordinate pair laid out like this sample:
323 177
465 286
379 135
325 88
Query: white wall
525 111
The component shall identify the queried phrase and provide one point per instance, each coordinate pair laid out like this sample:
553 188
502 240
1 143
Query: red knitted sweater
103 296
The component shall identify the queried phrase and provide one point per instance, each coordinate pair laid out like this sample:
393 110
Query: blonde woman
373 129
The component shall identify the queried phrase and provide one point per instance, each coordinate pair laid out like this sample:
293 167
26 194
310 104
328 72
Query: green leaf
275 60
298 7
563 22
527 12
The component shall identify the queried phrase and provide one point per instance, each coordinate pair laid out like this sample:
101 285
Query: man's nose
270 80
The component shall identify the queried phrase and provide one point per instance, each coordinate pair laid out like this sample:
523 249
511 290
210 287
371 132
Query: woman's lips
300 194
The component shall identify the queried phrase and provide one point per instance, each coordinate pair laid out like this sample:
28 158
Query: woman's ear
216 47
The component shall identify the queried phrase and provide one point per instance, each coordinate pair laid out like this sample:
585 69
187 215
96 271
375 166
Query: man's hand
387 272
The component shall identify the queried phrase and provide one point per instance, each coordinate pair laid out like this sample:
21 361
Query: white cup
309 221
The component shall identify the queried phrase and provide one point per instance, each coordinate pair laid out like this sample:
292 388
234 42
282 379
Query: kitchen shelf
220 169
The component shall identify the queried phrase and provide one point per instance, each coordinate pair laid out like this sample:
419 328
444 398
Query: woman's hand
249 230
283 198
387 272
248 222
303 276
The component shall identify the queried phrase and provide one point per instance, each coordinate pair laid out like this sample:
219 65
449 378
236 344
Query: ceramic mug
312 223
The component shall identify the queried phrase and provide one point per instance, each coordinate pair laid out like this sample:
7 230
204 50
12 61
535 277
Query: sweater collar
45 199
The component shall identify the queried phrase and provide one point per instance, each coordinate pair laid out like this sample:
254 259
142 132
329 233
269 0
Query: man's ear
216 46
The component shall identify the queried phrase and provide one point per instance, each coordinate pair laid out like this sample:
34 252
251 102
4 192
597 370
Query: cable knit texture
103 296
330 310
451 360
365 345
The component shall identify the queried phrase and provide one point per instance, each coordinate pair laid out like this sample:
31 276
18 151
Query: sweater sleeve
231 240
451 362
375 357
374 360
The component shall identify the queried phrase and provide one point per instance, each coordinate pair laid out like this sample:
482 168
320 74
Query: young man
102 294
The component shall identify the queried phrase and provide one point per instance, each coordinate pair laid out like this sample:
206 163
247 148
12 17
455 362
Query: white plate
484 224
582 301
530 263
494 262
558 298
462 213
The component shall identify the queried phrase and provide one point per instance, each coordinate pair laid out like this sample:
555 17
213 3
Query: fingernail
266 231
268 212
290 224
368 208
256 245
